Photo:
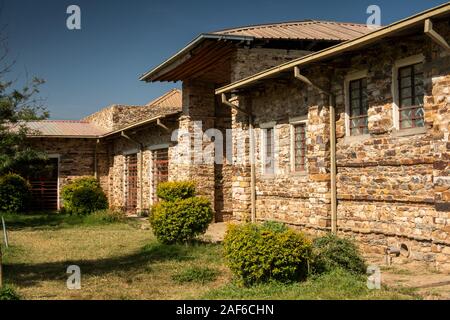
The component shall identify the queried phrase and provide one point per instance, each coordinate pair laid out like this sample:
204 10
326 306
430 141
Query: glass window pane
405 72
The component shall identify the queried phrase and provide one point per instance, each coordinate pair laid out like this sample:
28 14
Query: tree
17 106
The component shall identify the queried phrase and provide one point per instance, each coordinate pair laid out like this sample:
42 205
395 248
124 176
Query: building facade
322 125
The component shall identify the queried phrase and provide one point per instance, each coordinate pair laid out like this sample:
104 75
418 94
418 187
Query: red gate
44 187
131 182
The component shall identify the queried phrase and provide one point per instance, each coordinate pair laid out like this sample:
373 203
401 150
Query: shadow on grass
126 266
40 220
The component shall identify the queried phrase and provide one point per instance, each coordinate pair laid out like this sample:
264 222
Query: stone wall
392 186
203 111
76 157
152 137
119 116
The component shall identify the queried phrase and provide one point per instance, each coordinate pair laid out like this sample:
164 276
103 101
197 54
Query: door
44 186
131 183
160 169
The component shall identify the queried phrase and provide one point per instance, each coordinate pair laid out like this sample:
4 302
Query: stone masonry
392 185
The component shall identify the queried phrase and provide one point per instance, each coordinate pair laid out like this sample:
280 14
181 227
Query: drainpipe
141 166
331 102
252 156
96 159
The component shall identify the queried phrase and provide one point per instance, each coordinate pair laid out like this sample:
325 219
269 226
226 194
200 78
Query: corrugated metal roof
171 99
64 128
302 30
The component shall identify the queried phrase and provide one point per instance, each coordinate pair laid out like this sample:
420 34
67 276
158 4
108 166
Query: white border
419 58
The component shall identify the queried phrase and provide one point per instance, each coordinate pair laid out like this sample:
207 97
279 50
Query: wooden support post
429 31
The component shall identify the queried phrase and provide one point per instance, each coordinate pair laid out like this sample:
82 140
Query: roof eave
202 37
340 48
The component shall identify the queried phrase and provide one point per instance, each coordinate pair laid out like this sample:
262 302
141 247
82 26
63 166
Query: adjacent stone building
390 93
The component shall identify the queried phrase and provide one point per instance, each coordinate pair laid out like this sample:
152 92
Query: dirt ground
411 276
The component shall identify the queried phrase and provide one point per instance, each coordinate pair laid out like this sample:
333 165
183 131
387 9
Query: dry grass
117 261
124 261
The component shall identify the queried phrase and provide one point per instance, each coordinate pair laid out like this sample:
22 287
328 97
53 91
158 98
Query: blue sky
88 69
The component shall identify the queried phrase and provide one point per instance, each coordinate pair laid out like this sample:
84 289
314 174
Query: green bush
181 220
84 196
8 293
177 190
261 253
15 193
331 252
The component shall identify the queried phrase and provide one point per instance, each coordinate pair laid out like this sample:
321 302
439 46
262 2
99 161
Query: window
269 144
358 107
160 161
410 96
299 146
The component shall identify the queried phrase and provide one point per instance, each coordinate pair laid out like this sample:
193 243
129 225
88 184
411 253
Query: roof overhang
140 124
185 54
136 125
417 20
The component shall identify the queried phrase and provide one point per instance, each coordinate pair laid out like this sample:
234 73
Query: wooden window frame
294 122
264 128
352 76
412 60
413 96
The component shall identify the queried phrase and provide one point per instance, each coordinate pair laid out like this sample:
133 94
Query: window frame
401 63
293 122
352 76
264 127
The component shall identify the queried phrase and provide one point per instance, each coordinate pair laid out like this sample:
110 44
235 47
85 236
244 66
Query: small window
358 107
410 96
269 144
299 148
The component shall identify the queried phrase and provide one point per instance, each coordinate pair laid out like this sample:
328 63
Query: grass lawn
124 261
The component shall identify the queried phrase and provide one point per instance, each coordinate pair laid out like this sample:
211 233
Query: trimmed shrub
84 196
178 190
331 252
181 220
15 193
261 253
8 293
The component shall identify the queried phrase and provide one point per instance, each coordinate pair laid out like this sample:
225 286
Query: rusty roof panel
64 128
302 30
171 100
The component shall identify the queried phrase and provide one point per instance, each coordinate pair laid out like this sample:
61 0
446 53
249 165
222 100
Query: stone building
126 147
215 59
350 129
355 139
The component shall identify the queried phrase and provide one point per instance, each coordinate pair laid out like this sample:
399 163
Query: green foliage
84 196
261 253
15 193
331 252
196 274
16 107
181 220
8 293
177 190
